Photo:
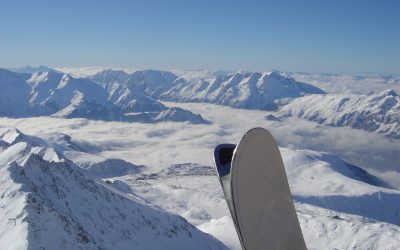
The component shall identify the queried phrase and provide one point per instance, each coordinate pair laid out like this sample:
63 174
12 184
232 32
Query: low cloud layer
160 145
361 84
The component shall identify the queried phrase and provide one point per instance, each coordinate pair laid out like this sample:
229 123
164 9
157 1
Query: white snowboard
258 194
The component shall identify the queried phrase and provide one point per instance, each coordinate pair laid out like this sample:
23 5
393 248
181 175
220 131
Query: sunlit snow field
199 198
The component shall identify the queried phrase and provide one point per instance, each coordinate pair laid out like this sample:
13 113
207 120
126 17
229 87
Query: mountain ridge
57 94
48 202
374 112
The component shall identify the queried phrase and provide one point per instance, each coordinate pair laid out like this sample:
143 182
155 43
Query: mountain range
117 95
273 91
47 202
265 91
60 95
374 112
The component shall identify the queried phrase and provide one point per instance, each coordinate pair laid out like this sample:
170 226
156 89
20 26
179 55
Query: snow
51 204
224 230
339 205
14 94
61 95
376 112
250 90
345 187
111 168
327 229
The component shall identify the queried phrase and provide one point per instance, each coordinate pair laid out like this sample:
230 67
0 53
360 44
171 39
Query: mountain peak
388 92
48 202
33 69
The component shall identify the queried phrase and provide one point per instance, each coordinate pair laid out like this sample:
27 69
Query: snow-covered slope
376 112
152 82
129 100
338 204
49 203
132 94
169 114
14 94
108 77
327 181
111 168
242 90
61 95
65 96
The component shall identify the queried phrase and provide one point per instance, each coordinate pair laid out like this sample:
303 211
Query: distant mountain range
117 95
375 112
271 91
60 95
265 91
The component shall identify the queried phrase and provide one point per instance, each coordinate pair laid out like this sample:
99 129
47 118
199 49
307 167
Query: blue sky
341 36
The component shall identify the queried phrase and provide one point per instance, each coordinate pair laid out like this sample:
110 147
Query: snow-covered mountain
132 94
325 180
250 90
61 95
242 90
170 114
14 94
132 101
108 77
152 82
49 203
135 92
375 112
129 100
33 69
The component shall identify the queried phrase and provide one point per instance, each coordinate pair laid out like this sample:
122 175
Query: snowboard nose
254 182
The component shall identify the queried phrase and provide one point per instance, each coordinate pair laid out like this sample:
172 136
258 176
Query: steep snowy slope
66 96
49 203
239 90
61 95
130 99
327 181
108 77
376 112
14 94
242 90
131 94
151 82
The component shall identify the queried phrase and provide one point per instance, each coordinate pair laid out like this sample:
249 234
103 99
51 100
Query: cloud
366 149
162 144
360 84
